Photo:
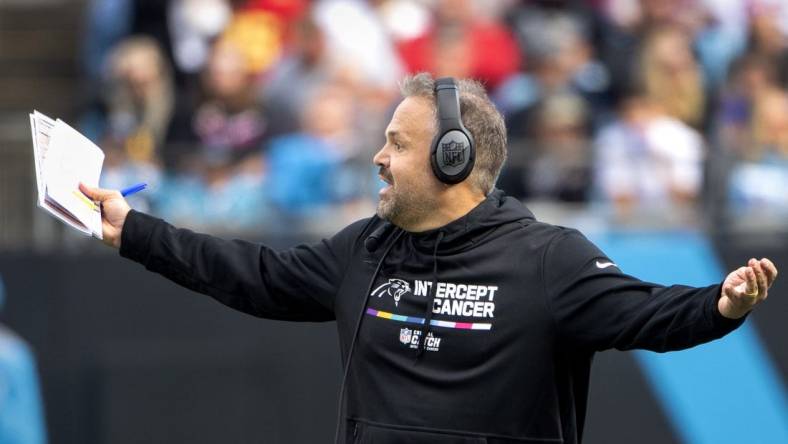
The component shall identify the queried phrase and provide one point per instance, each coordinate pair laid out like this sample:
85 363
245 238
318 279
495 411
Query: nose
380 158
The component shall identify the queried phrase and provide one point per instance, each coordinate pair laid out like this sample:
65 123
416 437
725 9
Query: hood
495 210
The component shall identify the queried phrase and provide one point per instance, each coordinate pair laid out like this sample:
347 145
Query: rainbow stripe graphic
435 322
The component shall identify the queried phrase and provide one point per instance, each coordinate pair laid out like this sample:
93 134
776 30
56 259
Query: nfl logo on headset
453 153
404 335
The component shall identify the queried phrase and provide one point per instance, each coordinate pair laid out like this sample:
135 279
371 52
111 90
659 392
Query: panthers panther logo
394 288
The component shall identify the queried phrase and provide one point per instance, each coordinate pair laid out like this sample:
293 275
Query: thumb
97 194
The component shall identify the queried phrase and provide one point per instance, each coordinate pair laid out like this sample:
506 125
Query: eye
398 146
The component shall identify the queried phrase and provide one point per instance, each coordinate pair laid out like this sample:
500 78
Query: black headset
452 155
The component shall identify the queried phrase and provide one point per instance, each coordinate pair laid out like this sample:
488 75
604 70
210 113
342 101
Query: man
461 318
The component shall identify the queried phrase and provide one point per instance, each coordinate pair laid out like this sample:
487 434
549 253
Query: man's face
404 163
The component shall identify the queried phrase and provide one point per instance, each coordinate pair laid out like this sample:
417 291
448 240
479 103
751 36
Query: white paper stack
63 159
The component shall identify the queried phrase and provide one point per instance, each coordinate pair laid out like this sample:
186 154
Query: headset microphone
372 242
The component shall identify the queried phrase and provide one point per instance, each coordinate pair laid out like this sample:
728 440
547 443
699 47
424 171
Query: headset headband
448 103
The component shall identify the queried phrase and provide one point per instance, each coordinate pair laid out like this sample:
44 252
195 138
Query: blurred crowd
264 115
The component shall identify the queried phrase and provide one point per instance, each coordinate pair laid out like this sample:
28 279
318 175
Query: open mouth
388 180
385 176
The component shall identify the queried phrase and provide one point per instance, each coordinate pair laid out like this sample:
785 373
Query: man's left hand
745 287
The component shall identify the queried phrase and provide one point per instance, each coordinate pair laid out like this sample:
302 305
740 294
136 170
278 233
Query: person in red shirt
459 43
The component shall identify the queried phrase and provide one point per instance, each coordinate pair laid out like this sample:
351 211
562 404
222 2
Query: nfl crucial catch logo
453 153
410 337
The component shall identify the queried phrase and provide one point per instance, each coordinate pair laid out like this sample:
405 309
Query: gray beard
404 209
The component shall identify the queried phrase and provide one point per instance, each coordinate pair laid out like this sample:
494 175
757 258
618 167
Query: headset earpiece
453 154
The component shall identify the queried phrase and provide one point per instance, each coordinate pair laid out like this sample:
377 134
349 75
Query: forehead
414 118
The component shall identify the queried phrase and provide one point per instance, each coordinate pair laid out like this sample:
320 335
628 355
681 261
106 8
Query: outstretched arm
298 284
596 306
745 287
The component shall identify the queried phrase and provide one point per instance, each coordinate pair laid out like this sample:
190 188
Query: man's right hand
113 212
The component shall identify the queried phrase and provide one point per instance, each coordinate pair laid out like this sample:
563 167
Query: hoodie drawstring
431 299
340 408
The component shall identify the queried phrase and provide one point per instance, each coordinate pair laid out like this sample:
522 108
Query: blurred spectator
193 24
751 77
108 22
259 29
749 171
760 179
21 415
404 19
140 96
183 28
769 35
462 43
227 123
628 22
553 161
316 59
133 115
318 166
561 61
671 76
648 160
357 44
770 126
539 24
215 149
136 100
720 38
299 74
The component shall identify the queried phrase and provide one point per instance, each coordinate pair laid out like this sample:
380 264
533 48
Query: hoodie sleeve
298 284
596 306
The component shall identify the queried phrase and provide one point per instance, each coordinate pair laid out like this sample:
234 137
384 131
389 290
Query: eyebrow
393 134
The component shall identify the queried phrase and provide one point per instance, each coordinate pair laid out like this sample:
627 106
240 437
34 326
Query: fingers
751 284
743 282
770 269
97 194
745 287
760 276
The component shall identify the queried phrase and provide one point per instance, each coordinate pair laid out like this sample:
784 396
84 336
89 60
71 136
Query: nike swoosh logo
605 264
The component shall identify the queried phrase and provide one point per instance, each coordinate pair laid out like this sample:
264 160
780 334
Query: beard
404 205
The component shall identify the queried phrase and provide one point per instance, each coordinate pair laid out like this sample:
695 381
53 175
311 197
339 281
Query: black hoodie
519 309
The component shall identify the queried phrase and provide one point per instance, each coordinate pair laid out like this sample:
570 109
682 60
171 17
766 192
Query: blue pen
133 189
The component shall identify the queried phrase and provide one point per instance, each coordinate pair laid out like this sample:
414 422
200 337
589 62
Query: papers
63 158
